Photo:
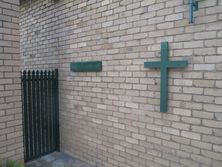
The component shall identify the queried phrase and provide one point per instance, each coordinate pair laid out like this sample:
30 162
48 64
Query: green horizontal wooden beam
177 64
87 66
154 64
169 64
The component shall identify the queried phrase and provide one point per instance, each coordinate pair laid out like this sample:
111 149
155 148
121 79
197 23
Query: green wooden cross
164 64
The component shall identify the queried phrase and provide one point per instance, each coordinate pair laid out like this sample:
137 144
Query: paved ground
57 159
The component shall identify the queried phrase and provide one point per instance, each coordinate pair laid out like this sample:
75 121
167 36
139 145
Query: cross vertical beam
164 65
164 77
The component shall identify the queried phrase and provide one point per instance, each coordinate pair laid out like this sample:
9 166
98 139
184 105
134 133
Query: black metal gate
40 113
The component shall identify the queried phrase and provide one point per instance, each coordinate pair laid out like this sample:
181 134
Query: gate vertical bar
42 111
45 113
53 110
30 137
25 116
45 110
34 115
38 113
49 112
57 110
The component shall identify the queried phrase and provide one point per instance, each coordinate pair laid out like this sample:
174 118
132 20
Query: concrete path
57 159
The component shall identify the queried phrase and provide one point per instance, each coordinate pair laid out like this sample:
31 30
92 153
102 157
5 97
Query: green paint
164 65
88 66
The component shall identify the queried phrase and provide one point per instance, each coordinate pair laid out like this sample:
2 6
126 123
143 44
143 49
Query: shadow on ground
57 159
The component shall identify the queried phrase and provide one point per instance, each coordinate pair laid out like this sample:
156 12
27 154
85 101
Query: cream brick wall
112 118
11 143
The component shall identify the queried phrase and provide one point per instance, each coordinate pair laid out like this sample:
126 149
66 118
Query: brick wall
112 118
10 94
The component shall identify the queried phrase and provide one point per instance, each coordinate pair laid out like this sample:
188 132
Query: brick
218 116
173 3
212 108
171 131
171 144
147 2
183 82
219 50
202 114
204 83
131 140
211 154
205 35
213 139
153 127
174 17
204 51
5 5
205 99
180 126
82 5
211 123
190 135
181 140
184 112
193 90
213 92
201 144
204 67
106 2
138 136
195 44
202 129
155 7
189 162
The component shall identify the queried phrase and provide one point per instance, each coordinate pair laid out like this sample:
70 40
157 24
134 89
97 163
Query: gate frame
47 79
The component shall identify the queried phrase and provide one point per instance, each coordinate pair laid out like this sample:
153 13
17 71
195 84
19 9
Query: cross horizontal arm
177 64
154 64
